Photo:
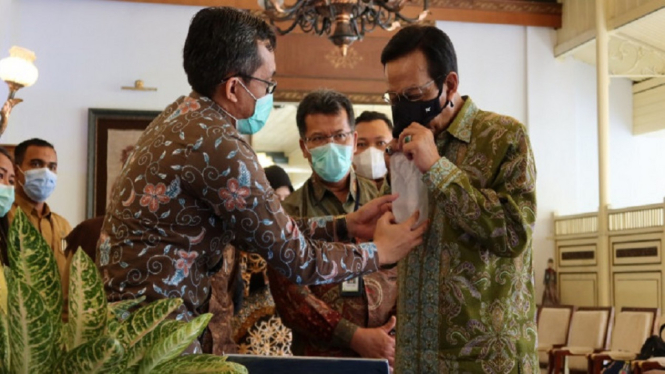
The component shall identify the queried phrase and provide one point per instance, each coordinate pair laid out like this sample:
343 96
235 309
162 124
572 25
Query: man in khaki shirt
354 318
36 167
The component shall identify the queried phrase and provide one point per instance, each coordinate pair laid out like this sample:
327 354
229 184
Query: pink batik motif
154 195
234 195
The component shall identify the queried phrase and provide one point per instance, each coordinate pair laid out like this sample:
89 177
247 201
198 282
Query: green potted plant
99 337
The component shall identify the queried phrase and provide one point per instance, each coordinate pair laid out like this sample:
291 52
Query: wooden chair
553 329
652 365
631 328
590 330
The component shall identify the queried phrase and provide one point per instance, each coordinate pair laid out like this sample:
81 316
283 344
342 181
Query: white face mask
370 163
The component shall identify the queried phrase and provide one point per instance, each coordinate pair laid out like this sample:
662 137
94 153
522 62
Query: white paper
406 180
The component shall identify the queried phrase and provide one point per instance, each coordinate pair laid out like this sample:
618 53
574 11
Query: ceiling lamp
343 21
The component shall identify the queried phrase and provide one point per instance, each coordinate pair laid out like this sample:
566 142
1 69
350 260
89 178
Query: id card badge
352 288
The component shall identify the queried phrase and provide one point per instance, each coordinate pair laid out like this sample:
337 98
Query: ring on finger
407 139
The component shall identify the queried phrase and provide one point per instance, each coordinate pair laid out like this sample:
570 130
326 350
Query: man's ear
228 89
451 84
303 148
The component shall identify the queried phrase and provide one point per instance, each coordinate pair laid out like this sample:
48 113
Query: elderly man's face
408 74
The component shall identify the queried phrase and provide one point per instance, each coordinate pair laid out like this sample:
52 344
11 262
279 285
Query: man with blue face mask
193 186
36 168
347 319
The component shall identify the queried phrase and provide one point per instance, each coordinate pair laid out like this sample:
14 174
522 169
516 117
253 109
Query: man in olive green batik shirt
466 301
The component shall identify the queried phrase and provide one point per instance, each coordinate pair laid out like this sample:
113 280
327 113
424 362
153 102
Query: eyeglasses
271 85
319 140
414 93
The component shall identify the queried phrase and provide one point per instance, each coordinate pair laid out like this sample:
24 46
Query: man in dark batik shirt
193 185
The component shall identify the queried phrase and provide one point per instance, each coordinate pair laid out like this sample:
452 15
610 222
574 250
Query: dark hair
369 116
4 222
221 43
323 102
19 151
432 42
277 177
5 152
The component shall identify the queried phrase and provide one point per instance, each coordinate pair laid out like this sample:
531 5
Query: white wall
87 49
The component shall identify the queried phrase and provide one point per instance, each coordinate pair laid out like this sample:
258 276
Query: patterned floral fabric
191 186
466 300
324 321
258 330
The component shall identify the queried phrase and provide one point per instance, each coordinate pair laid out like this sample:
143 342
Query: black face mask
406 112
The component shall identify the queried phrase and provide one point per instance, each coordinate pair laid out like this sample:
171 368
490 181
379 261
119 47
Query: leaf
33 262
120 309
3 290
244 177
87 301
218 142
172 345
134 356
4 344
198 143
201 364
112 327
206 158
101 355
32 330
145 320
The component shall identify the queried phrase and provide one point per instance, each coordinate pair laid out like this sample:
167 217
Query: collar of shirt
320 190
206 102
28 207
461 126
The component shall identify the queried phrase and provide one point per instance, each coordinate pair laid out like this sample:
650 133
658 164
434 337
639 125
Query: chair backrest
554 324
632 327
590 327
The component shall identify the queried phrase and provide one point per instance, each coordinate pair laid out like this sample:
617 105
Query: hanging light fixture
18 71
343 21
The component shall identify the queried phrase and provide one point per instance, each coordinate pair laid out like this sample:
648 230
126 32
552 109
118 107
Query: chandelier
343 21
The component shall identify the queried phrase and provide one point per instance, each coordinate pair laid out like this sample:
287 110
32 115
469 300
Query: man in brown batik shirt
193 185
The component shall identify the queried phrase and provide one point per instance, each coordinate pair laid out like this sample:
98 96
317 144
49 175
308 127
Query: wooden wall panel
511 12
637 290
306 62
579 289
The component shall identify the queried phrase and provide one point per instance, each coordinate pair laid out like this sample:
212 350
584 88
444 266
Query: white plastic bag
406 180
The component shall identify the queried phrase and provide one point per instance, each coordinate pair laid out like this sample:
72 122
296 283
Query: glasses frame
327 139
400 95
271 85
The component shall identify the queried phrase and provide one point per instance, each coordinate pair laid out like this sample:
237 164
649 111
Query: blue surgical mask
332 161
6 199
39 184
253 124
